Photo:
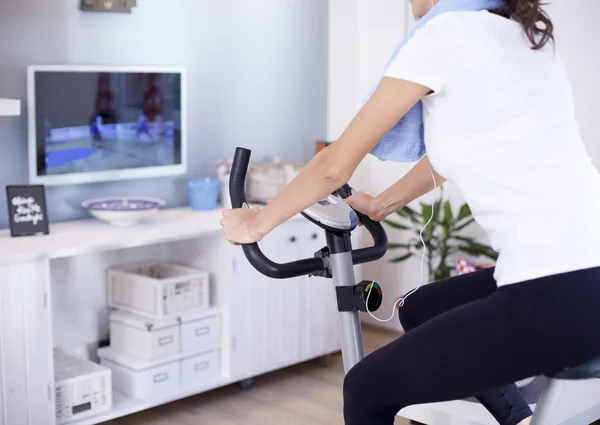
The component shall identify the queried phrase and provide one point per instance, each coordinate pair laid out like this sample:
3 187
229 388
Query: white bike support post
351 334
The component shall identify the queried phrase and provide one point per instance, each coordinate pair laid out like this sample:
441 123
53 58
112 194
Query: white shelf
124 405
73 238
10 107
78 237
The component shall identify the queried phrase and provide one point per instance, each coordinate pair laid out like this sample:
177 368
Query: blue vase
204 193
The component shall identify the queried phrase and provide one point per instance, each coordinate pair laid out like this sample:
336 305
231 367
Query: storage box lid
67 366
142 323
198 315
132 362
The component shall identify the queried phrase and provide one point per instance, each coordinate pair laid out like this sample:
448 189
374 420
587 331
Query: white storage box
158 290
200 332
146 339
200 368
82 388
142 379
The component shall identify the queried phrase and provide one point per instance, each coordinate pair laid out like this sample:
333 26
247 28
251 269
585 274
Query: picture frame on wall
27 213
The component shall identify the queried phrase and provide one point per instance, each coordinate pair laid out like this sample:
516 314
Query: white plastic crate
82 388
158 290
146 339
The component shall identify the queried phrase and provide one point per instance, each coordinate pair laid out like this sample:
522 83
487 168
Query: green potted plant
443 236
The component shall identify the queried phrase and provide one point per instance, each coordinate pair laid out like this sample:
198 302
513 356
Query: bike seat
587 370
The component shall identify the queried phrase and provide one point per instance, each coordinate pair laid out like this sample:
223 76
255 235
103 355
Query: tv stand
53 293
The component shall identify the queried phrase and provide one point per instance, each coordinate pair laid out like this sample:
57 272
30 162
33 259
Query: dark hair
530 14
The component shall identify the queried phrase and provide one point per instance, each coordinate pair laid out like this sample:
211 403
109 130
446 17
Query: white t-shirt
501 125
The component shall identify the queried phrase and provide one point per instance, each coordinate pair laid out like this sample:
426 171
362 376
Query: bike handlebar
237 192
237 185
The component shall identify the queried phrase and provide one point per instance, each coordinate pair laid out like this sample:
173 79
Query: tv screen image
105 124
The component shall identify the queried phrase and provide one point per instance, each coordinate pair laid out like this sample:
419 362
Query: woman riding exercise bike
499 122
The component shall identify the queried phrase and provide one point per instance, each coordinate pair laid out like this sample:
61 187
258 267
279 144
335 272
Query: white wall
257 74
577 35
362 35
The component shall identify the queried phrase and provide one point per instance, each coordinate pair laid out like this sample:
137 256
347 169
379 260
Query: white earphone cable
400 301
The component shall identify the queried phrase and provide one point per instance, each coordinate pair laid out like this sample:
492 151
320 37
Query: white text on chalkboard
28 210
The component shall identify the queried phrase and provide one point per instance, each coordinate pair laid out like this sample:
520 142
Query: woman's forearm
333 166
315 181
417 182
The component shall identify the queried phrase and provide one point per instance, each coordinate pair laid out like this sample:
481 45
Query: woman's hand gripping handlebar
309 266
237 183
375 229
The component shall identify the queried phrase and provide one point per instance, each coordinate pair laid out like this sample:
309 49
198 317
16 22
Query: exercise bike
336 261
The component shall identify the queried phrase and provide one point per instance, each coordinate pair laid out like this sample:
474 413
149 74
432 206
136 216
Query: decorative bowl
124 210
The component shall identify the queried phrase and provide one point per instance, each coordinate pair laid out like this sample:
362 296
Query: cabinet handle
161 377
201 366
292 239
165 340
314 236
201 331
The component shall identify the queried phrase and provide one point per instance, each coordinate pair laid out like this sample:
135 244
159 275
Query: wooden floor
306 394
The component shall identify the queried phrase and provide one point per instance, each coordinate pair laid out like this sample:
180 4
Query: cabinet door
266 312
320 317
26 366
277 323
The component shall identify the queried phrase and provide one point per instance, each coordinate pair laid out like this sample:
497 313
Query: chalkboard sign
27 210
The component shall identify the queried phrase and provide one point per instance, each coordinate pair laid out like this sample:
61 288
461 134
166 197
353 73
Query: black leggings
466 337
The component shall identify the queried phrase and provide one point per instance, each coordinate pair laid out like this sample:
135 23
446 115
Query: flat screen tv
90 124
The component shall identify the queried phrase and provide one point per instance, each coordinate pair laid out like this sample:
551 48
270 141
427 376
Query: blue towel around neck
405 142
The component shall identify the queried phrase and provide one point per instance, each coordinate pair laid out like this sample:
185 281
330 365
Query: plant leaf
445 230
469 250
396 225
402 258
399 245
464 239
465 211
409 213
476 251
447 213
437 206
480 246
408 210
427 210
442 272
462 226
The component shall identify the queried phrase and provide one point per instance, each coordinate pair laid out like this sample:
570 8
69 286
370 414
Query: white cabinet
53 294
26 366
281 322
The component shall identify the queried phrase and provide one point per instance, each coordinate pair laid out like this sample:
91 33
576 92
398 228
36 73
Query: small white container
144 338
82 388
199 369
199 332
158 290
142 379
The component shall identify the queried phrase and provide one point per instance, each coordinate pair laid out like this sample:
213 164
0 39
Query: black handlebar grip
237 177
380 240
237 192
